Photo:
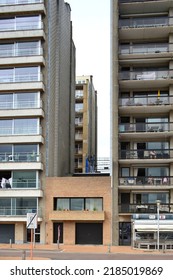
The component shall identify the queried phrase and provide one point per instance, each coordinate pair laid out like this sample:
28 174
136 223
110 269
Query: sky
91 35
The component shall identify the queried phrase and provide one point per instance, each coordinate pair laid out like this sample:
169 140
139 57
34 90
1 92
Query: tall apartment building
85 125
37 95
141 121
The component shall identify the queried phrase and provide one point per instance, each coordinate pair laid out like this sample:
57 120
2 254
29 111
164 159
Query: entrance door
7 233
89 233
125 233
58 230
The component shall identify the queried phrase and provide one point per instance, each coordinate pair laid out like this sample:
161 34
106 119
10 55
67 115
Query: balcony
77 215
153 103
78 137
146 208
150 130
7 211
146 182
149 154
18 184
20 157
145 27
140 79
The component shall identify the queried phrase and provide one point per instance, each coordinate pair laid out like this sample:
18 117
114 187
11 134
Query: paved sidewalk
81 248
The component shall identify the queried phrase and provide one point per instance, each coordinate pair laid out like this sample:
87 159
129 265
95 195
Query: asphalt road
57 255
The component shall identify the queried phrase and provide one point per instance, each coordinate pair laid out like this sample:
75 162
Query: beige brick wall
88 186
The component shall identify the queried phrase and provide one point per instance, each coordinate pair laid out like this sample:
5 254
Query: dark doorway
58 231
125 233
7 233
89 233
140 149
125 201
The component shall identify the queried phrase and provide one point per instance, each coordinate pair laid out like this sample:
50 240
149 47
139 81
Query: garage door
89 233
7 232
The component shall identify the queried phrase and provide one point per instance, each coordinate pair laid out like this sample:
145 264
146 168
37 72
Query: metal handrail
145 208
142 22
146 181
146 74
7 211
146 100
146 127
145 153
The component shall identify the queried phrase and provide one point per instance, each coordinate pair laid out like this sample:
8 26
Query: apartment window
78 204
62 204
19 100
19 126
25 126
125 171
6 101
25 205
20 49
94 204
24 74
24 179
26 100
152 197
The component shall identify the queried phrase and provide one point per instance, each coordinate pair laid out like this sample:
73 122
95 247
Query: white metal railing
20 104
7 26
30 130
20 78
12 52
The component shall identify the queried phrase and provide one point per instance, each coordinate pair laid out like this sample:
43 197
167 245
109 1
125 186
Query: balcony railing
146 75
146 101
19 184
5 52
146 181
19 2
146 127
6 211
20 105
23 25
20 78
146 48
145 208
146 154
30 130
145 22
20 157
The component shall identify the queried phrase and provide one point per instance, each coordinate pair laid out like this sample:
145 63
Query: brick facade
78 187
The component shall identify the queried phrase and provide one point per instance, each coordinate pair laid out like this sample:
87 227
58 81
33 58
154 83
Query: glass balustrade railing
146 154
146 101
20 105
22 211
146 180
5 52
145 208
20 78
142 22
146 127
146 75
146 48
30 130
19 157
